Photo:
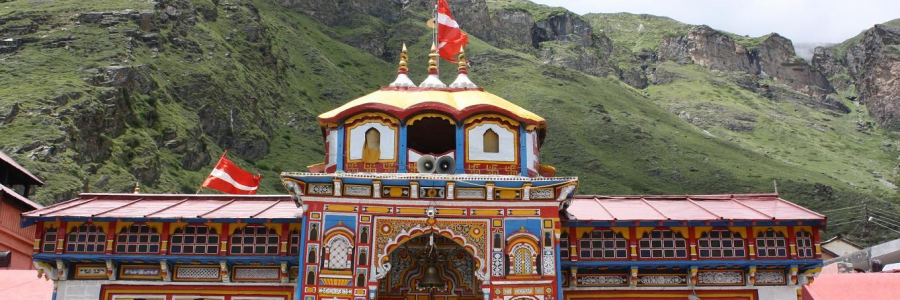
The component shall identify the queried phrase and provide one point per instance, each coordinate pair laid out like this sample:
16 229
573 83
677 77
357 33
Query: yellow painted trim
524 212
377 209
419 117
293 227
122 225
276 226
348 146
51 224
216 226
623 230
739 229
410 210
175 226
451 211
808 229
700 230
682 230
640 231
235 226
340 208
487 212
473 119
372 115
781 229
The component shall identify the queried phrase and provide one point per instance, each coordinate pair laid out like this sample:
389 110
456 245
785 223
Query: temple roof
23 177
7 191
746 207
459 103
173 206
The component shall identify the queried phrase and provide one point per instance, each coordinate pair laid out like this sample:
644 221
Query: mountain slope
100 97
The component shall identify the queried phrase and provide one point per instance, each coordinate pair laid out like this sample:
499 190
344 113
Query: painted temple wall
90 289
386 144
506 138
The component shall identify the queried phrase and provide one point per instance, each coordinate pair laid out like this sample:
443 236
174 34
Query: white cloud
803 21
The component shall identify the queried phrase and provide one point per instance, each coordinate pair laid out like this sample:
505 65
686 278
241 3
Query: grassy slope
618 140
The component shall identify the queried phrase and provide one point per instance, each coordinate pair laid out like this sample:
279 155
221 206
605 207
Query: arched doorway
455 267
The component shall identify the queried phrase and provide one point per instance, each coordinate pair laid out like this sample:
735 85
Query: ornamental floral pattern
770 277
721 278
548 262
662 280
390 231
603 280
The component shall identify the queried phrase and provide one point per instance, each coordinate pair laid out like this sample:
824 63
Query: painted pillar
460 148
301 258
402 151
523 152
339 156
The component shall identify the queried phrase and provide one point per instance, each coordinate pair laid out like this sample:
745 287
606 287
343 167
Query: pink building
16 242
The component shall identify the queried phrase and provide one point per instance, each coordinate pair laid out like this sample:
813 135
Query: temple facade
427 191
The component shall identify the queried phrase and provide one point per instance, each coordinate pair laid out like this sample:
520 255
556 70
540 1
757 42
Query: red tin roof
7 191
687 208
27 179
24 285
173 206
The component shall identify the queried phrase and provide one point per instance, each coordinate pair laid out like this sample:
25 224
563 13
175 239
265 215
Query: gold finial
403 58
461 61
137 188
522 229
432 60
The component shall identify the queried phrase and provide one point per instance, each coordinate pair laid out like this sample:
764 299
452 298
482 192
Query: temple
428 191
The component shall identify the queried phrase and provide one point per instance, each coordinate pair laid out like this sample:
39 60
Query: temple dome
403 103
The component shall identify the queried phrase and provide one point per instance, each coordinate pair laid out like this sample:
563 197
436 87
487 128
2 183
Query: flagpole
217 162
435 37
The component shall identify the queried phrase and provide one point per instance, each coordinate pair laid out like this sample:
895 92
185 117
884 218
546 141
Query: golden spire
432 60
137 188
402 69
461 61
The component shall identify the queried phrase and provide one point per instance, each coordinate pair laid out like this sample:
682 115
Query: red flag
229 178
450 37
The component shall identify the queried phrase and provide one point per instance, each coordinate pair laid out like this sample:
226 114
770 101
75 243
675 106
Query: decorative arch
382 266
337 253
363 130
522 251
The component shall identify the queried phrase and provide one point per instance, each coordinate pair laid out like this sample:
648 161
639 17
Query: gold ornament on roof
432 60
461 61
402 68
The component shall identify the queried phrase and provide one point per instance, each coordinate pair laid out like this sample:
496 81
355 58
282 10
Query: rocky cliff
872 62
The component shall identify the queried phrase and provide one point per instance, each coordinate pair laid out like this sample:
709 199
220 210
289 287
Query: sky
802 21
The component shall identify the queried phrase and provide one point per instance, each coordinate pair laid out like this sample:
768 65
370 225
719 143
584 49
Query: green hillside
250 76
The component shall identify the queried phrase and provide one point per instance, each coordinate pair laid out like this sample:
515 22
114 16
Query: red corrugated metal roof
173 206
687 208
14 164
24 285
7 191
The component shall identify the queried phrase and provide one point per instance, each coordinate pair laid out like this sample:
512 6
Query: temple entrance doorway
430 266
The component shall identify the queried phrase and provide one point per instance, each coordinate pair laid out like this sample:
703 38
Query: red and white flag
450 37
229 178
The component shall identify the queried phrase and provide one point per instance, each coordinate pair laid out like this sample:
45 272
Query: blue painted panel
333 220
460 149
533 226
340 149
523 152
402 151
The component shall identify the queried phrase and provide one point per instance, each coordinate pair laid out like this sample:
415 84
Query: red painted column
633 241
751 243
792 242
284 238
692 241
573 243
38 236
111 237
164 239
816 242
62 236
224 239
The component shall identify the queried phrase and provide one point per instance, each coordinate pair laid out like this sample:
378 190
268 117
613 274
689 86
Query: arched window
314 232
338 253
721 244
663 243
491 142
195 239
311 256
564 245
362 258
86 238
49 242
361 280
372 146
310 277
804 244
603 243
770 243
548 242
137 238
364 236
295 242
254 239
498 241
522 258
